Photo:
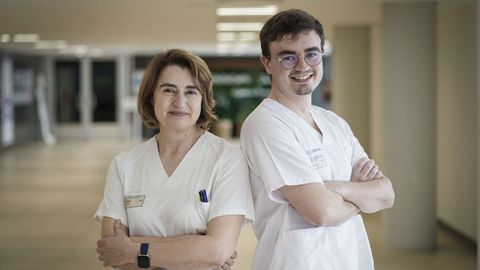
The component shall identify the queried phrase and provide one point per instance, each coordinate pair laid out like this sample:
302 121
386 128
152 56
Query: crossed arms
333 202
214 250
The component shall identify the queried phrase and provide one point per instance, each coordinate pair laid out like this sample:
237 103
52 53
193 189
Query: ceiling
137 26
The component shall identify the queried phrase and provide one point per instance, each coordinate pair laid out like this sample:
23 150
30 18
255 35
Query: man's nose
301 64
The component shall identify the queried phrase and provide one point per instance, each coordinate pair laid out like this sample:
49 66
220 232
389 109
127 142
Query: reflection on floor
49 194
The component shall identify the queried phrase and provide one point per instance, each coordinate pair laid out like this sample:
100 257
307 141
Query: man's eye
312 55
289 58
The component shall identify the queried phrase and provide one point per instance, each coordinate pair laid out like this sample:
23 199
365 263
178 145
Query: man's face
302 78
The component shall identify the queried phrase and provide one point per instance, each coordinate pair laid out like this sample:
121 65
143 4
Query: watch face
143 261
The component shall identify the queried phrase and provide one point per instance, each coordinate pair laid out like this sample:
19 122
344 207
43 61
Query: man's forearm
370 196
319 205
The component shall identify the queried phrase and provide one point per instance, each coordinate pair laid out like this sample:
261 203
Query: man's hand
228 263
117 249
365 169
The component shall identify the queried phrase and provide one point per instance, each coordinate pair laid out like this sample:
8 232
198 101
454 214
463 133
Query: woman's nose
179 99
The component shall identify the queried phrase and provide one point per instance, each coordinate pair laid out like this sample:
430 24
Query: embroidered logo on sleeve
133 200
317 158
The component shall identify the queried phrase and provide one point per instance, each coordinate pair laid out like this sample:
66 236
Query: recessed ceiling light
26 38
51 45
251 26
78 50
226 36
247 11
247 36
4 38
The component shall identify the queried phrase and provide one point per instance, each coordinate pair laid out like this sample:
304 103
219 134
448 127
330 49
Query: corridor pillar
351 79
409 66
123 77
86 96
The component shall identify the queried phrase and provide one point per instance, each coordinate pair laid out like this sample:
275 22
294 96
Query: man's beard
303 91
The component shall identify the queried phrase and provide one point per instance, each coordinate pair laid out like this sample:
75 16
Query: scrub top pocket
199 217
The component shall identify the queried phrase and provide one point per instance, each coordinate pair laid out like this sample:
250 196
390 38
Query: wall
351 79
456 118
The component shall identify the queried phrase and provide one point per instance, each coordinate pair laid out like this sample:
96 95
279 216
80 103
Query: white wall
456 117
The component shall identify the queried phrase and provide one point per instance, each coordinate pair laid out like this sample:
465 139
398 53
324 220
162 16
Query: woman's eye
168 90
191 92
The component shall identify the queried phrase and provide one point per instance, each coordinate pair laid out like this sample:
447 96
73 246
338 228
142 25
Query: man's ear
266 63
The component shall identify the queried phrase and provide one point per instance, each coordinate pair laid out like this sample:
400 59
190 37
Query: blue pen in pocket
203 195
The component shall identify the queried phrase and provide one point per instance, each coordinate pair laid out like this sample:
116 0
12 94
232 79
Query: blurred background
404 74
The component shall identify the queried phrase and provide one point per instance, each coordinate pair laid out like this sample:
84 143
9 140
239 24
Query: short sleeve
275 155
112 204
231 193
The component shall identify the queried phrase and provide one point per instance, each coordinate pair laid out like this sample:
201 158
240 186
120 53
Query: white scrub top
282 149
148 201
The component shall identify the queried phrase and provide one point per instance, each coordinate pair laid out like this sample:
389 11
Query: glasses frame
279 59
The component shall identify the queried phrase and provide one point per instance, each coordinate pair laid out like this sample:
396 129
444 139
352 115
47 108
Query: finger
117 227
378 175
100 243
359 165
230 262
372 173
107 263
234 255
225 267
366 169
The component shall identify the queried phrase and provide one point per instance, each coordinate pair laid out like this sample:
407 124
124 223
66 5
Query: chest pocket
197 219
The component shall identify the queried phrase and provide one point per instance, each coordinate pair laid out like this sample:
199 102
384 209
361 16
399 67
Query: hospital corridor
312 90
49 195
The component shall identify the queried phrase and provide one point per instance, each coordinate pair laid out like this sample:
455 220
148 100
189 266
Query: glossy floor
49 195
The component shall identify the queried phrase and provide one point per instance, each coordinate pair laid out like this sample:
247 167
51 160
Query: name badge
317 158
133 200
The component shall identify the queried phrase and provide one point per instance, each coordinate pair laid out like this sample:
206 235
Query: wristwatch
143 260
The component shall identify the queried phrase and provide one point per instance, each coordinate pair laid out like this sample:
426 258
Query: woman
179 199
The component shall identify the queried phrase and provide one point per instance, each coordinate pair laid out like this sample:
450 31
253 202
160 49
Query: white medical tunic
282 149
150 203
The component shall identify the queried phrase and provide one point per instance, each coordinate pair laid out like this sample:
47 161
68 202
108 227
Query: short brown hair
288 22
202 78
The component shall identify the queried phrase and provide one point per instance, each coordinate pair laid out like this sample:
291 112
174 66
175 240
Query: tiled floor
49 194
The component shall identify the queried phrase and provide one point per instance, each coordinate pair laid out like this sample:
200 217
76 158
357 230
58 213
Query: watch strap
144 249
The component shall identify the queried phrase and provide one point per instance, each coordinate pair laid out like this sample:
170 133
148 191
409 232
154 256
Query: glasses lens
289 61
313 58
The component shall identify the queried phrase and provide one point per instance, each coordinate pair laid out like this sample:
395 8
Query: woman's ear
266 63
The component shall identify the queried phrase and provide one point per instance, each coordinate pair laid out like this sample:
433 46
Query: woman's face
177 101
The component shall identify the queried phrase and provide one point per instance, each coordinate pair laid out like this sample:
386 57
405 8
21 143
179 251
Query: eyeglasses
289 61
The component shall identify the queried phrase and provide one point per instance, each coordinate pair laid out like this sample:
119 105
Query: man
310 176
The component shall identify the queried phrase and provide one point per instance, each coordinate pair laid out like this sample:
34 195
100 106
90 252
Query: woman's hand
228 263
117 249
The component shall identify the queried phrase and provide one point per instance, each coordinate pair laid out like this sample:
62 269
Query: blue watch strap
144 249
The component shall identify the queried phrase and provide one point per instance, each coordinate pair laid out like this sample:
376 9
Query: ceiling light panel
26 38
231 27
247 11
